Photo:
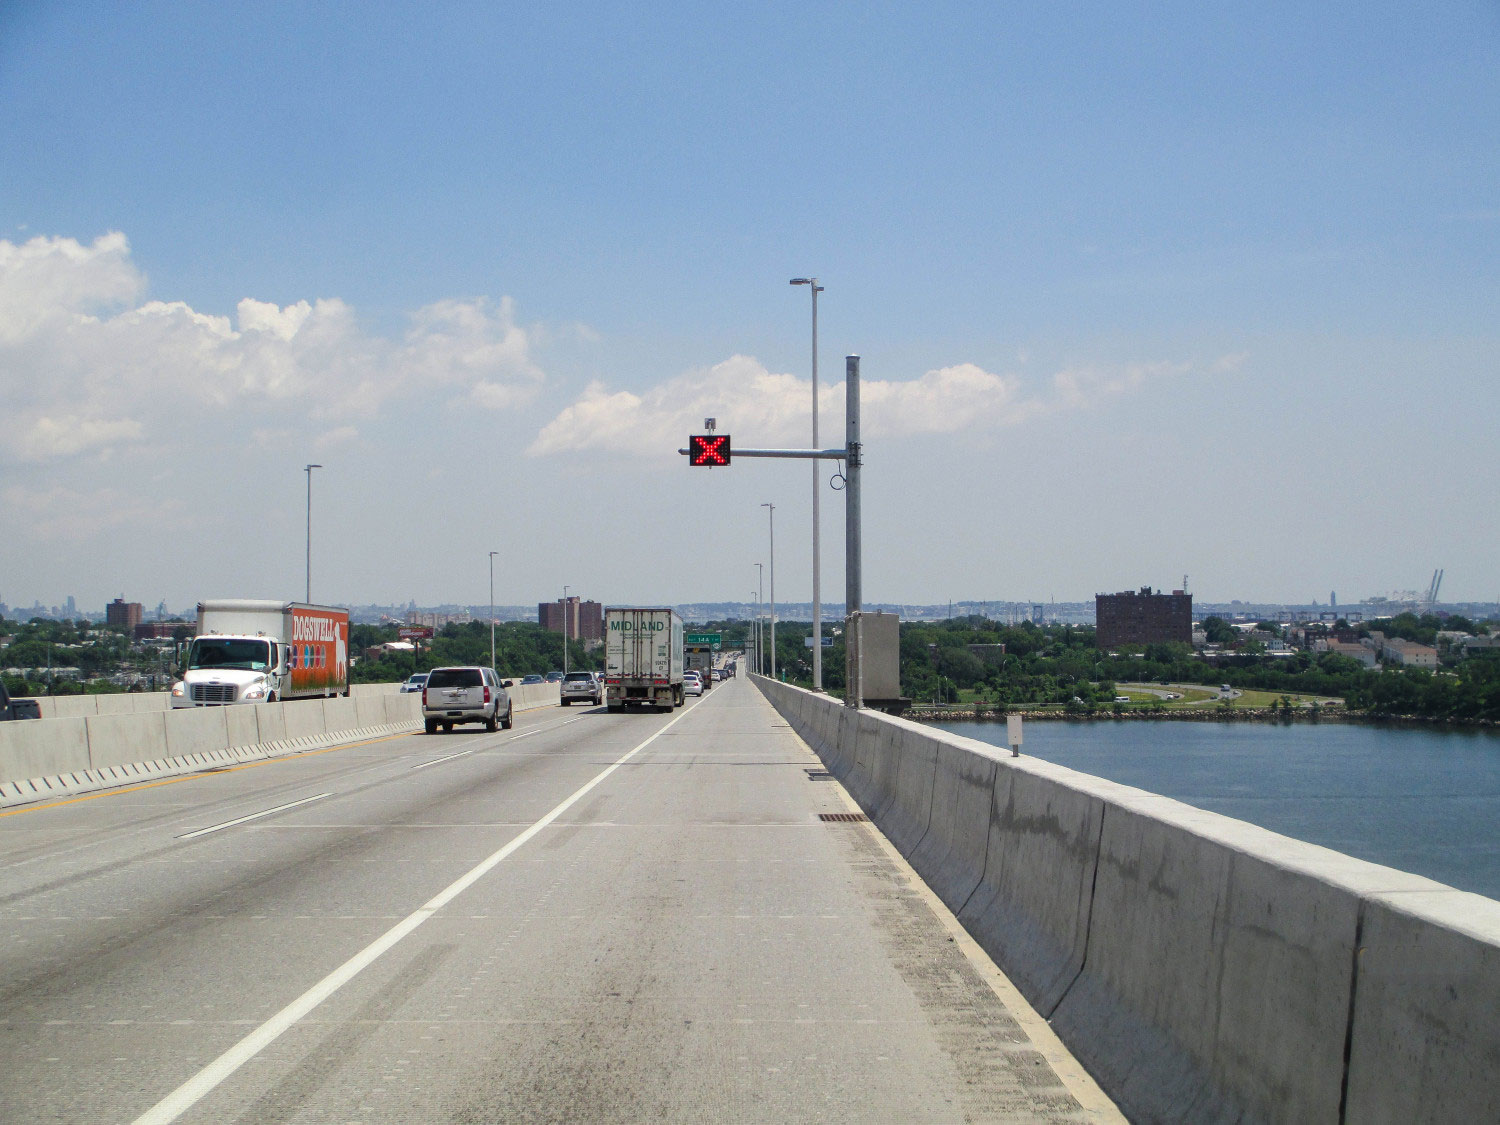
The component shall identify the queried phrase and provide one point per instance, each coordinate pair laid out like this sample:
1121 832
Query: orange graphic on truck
319 646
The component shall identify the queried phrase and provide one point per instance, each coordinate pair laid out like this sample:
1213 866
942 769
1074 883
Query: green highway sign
703 640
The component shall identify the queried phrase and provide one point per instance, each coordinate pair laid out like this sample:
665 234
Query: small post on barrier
1013 734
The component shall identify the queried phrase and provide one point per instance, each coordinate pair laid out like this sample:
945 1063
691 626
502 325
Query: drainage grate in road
843 817
818 775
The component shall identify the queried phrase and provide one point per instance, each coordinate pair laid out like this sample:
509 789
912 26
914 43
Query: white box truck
642 658
253 651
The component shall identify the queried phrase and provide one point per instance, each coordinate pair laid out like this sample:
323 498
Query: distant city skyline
1052 610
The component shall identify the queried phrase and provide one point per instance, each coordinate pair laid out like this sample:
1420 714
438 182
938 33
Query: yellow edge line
198 774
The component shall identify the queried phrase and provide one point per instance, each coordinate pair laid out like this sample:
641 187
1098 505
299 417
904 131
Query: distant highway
591 917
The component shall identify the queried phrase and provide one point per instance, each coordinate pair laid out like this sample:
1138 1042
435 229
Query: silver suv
465 695
581 685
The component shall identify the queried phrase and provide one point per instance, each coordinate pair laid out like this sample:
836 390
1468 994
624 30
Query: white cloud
747 399
87 366
61 437
47 281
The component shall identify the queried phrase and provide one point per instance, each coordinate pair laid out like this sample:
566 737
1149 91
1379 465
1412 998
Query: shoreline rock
1201 715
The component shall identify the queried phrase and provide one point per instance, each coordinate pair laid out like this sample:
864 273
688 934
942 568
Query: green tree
1218 631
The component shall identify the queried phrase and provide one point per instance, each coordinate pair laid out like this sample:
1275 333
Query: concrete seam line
1359 937
180 1100
989 829
1088 921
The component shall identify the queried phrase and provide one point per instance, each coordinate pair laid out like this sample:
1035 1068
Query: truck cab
224 669
256 651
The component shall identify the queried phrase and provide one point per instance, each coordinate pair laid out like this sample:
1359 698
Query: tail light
424 697
486 694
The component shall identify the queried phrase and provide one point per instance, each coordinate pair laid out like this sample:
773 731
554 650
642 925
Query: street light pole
492 607
771 512
565 630
817 607
760 632
754 631
308 470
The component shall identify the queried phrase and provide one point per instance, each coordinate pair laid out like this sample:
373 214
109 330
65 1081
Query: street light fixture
308 470
492 607
817 606
771 512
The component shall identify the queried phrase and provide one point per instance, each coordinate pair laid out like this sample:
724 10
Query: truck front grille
212 693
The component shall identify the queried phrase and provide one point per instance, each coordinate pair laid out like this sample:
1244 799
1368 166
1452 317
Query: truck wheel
509 720
492 723
447 728
566 702
431 725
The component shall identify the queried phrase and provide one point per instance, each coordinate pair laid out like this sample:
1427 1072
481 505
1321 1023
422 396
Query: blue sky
1148 292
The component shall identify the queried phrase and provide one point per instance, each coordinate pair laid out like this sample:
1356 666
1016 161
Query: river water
1425 801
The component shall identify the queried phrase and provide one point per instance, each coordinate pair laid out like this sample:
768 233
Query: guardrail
1202 968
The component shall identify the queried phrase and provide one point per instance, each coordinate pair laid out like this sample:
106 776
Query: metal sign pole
854 694
853 457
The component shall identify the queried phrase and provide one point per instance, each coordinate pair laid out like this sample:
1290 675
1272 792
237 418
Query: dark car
17 708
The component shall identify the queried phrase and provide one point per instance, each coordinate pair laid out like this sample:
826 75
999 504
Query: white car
692 683
586 686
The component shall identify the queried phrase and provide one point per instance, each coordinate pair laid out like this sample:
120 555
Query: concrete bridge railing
1202 968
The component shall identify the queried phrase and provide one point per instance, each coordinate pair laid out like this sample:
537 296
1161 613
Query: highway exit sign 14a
703 639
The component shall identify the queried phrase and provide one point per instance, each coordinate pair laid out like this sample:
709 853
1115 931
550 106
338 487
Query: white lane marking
180 1100
541 730
252 816
435 761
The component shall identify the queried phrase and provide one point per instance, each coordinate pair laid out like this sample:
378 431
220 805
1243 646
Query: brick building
579 620
121 612
1134 618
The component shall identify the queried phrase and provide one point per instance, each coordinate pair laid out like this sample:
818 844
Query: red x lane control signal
708 449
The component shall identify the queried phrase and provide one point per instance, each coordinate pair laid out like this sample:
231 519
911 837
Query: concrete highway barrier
951 856
135 702
120 703
1202 968
1038 883
117 740
38 747
905 818
95 749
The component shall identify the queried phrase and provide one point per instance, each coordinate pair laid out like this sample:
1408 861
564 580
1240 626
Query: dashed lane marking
252 816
